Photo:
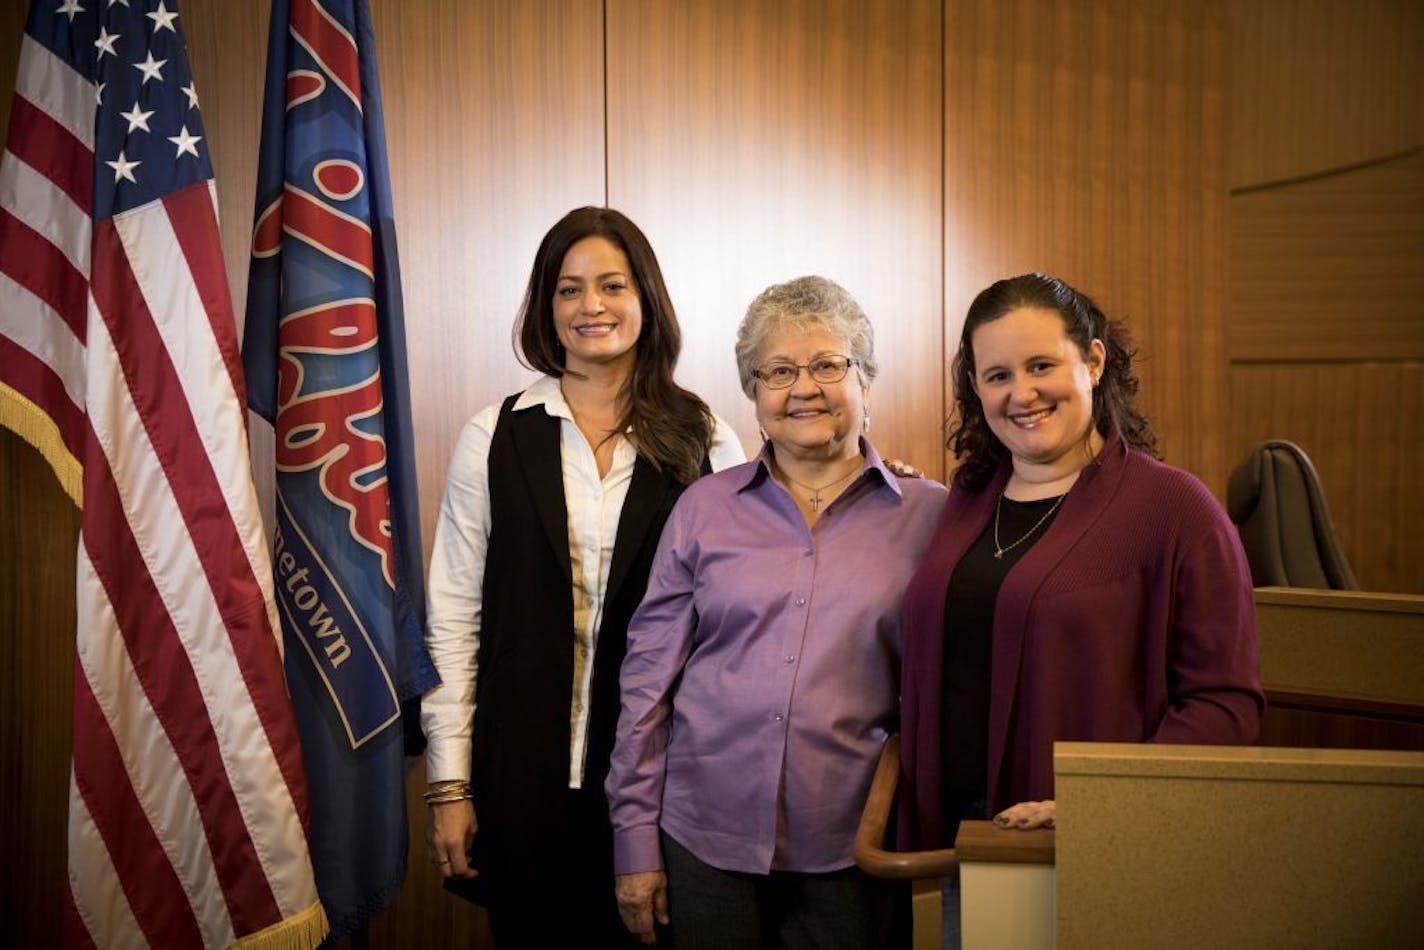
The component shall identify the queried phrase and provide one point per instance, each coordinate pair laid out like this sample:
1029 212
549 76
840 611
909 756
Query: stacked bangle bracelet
442 793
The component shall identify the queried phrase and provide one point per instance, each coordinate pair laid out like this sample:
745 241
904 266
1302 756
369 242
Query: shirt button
790 658
778 717
800 601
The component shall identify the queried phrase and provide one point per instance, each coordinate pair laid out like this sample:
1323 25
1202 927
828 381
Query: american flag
119 361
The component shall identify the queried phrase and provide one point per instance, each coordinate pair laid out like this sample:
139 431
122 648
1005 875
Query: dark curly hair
671 427
978 450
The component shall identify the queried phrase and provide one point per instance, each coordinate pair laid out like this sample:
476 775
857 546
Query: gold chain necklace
815 499
999 549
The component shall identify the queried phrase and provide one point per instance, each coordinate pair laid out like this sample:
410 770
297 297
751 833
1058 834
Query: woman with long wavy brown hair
553 507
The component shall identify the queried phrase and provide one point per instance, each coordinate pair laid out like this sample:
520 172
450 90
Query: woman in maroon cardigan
1076 589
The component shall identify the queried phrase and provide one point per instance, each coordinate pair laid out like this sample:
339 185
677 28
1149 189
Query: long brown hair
979 451
671 427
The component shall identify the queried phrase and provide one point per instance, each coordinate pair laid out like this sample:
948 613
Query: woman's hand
452 832
903 469
641 898
1028 815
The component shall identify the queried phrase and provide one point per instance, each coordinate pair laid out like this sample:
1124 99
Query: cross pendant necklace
815 500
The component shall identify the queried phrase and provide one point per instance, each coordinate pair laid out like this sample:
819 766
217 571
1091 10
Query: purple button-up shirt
762 674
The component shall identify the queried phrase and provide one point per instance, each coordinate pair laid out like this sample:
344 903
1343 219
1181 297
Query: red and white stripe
187 798
46 192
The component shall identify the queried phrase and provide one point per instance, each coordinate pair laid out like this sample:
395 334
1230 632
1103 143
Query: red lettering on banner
328 229
329 44
318 431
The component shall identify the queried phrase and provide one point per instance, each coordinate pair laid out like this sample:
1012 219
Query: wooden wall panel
1301 722
1331 268
39 531
494 119
1323 84
758 142
1326 241
1359 423
1087 140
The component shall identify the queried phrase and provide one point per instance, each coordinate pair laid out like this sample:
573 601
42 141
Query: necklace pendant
816 502
998 555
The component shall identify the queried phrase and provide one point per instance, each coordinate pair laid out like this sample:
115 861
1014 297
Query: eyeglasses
823 369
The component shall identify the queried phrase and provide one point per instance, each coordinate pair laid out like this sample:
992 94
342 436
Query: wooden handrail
986 842
872 858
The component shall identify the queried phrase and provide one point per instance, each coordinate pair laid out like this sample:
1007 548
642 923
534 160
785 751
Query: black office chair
1275 498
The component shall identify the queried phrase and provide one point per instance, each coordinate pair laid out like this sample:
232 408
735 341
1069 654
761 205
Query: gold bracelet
447 799
450 790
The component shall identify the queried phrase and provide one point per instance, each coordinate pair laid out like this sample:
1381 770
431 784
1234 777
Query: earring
762 432
865 423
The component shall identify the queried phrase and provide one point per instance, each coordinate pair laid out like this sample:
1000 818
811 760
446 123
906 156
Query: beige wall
913 149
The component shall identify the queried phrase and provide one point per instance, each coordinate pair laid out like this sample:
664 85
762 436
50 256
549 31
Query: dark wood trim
1341 703
1369 600
984 841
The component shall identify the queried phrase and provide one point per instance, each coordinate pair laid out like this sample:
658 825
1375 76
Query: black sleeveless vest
526 666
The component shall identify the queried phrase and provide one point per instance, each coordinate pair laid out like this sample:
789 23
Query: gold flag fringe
32 424
301 931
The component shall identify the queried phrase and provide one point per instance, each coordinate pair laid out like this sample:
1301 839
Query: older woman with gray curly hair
762 671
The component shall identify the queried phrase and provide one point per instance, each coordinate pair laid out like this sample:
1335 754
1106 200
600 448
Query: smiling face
1037 388
598 314
810 421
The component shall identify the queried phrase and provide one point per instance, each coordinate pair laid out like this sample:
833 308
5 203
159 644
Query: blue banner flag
324 353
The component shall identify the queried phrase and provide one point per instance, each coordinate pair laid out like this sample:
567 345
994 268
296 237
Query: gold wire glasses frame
823 369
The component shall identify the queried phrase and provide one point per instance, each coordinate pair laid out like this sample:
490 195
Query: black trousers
568 900
712 909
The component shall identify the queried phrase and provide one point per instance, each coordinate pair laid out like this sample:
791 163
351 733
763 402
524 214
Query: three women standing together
1072 588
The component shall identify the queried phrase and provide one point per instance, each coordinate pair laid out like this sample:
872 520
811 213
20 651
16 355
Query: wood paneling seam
1325 173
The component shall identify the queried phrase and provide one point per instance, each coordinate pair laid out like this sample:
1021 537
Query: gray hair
805 302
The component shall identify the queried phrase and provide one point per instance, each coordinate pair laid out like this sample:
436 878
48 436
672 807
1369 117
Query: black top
968 638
